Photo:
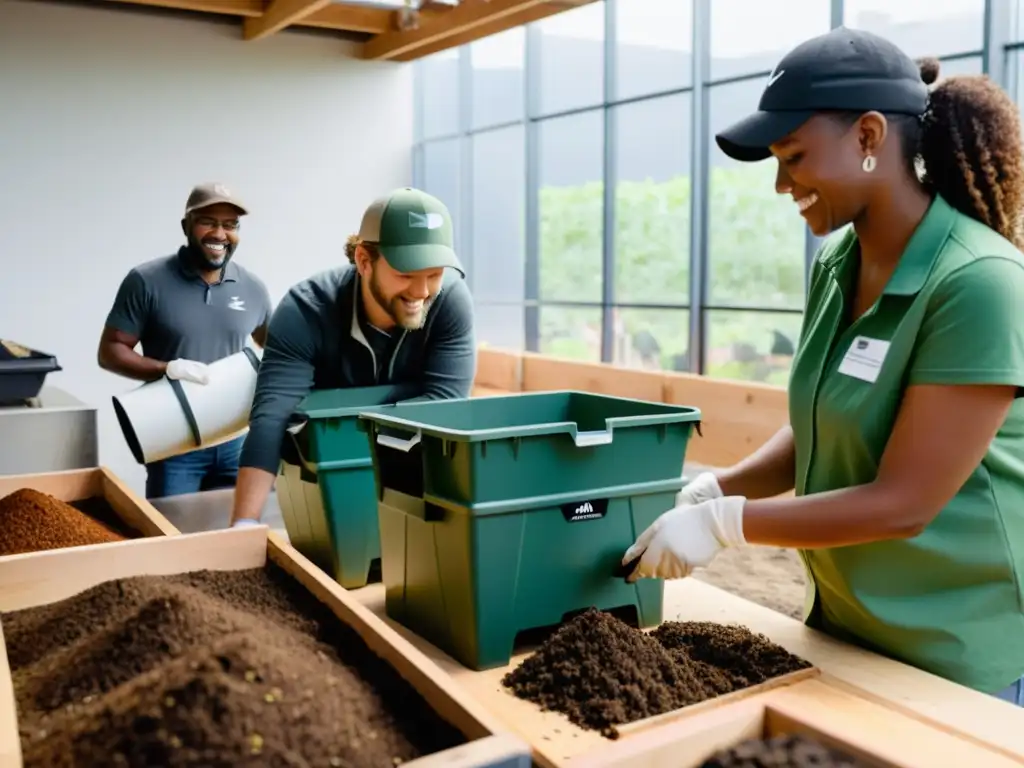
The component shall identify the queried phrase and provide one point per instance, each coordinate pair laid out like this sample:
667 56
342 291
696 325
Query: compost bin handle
595 437
398 443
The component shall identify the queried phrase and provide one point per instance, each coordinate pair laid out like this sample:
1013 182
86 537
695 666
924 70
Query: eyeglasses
229 225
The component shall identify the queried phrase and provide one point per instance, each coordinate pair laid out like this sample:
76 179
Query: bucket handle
593 437
186 409
398 443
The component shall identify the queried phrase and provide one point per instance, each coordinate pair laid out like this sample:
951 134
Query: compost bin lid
346 401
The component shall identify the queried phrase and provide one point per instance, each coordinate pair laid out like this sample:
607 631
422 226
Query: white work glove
188 370
687 537
703 487
242 522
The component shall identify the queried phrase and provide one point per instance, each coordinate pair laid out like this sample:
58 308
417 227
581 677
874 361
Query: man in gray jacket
399 313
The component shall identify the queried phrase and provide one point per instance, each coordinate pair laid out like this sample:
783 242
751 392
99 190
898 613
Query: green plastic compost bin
504 514
325 484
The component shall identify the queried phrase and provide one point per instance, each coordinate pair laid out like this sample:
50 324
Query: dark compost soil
210 669
601 672
32 521
787 751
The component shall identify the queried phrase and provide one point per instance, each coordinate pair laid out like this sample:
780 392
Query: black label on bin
578 511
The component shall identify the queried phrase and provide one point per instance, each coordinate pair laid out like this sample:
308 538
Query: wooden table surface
979 717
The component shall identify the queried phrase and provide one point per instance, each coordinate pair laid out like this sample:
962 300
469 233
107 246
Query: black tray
22 376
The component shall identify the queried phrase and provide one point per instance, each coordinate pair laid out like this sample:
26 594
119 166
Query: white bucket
167 418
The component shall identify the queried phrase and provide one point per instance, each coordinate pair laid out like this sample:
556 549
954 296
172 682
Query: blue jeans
203 470
1014 693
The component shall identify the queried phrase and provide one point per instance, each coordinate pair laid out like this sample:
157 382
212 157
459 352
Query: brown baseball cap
212 193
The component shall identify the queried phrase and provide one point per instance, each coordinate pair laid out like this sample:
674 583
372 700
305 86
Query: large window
598 219
756 237
570 207
922 27
569 54
498 90
749 36
653 46
498 243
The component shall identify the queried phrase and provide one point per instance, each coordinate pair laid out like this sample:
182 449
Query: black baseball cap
845 70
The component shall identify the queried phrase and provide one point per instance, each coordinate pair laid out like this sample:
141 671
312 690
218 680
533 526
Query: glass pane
652 201
755 235
498 78
970 65
654 46
749 36
500 325
439 81
1016 20
441 177
571 206
1015 70
921 27
654 339
573 332
752 346
571 58
499 192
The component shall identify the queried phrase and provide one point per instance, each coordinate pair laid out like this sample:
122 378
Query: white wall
109 115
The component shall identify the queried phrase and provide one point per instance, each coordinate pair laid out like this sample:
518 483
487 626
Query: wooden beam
280 14
252 8
518 19
336 16
465 18
351 18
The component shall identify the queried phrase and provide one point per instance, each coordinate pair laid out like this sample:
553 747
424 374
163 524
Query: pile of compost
785 751
601 672
211 669
32 521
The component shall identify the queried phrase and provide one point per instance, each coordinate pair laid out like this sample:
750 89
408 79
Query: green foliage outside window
756 244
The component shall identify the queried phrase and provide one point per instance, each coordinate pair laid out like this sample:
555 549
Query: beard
203 260
396 307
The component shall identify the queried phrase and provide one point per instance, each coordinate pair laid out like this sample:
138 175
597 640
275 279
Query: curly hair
972 150
353 242
967 147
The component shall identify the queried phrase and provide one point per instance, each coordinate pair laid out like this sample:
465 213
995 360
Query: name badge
864 359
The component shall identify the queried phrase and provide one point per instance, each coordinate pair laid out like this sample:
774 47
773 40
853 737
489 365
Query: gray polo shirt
175 314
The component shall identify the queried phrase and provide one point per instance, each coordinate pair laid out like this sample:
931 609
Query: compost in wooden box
33 521
209 668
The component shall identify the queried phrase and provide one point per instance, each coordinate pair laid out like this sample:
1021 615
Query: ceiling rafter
438 24
352 18
280 14
220 7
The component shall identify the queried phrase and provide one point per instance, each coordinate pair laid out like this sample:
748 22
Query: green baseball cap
412 230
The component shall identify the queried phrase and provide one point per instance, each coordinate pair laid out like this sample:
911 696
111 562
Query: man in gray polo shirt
187 310
399 313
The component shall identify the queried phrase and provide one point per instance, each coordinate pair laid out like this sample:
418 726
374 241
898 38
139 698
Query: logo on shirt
237 303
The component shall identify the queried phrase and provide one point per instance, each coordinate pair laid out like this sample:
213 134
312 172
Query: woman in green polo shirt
906 439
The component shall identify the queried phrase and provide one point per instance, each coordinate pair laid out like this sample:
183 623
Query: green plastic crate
505 514
325 484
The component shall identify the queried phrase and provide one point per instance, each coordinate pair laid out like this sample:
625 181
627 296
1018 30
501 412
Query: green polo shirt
948 600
